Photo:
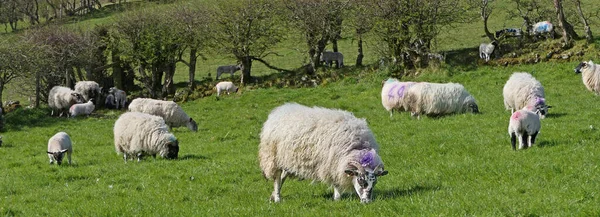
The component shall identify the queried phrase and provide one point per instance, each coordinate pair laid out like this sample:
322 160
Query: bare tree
584 20
567 29
361 20
485 11
9 14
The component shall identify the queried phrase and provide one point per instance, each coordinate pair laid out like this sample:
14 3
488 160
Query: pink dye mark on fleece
515 115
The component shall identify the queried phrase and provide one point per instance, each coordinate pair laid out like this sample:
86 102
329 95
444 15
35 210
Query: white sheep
486 50
542 28
87 89
590 73
60 99
523 90
325 145
509 32
227 69
120 97
434 99
172 113
139 134
58 145
329 56
226 86
392 95
524 125
82 108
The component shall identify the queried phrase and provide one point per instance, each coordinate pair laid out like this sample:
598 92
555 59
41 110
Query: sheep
82 108
590 73
58 145
523 90
139 134
435 99
120 97
172 113
543 27
486 50
110 102
228 69
392 95
226 86
524 125
325 145
328 57
87 89
60 99
509 32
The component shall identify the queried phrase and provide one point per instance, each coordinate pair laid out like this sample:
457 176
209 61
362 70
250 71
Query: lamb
138 134
590 73
227 69
325 145
328 57
172 113
120 97
58 145
60 99
524 125
392 95
435 99
509 32
87 89
524 91
82 108
110 102
226 86
543 27
486 50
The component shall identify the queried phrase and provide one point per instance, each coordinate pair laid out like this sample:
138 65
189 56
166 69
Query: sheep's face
582 65
473 108
57 156
364 181
192 125
77 98
172 149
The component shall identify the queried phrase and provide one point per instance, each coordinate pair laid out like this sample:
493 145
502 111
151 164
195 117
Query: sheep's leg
125 157
524 141
337 194
69 157
277 182
533 139
513 141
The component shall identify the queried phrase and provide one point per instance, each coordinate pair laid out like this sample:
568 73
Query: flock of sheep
540 28
325 145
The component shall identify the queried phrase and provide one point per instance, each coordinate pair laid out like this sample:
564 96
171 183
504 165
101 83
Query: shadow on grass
193 157
387 194
20 118
555 115
546 143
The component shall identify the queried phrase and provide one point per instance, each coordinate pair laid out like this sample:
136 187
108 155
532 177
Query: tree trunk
562 22
117 70
247 66
192 68
485 15
37 89
586 26
360 56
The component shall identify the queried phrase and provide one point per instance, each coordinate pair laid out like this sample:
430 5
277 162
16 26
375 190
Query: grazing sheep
226 86
542 28
60 99
392 95
524 125
328 57
510 32
590 73
227 69
486 50
138 134
82 108
110 102
87 89
523 90
435 99
325 145
172 113
58 145
120 97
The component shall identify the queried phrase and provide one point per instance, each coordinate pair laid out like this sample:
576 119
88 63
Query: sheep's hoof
275 199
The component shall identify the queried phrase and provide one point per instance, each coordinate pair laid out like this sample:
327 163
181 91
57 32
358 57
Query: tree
531 11
248 29
13 63
486 11
584 20
362 22
9 14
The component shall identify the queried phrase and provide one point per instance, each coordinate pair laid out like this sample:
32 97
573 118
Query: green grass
454 165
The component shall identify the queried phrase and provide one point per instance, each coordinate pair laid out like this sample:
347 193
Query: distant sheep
87 89
509 32
120 97
590 73
544 27
523 125
82 108
227 69
433 99
110 102
392 95
325 145
523 90
226 86
328 57
58 145
60 99
138 135
172 113
486 50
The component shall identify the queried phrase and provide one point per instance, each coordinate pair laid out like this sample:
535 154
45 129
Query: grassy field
458 165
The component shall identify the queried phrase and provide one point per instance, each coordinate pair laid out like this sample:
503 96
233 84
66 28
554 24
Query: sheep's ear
63 151
351 172
49 152
549 106
381 173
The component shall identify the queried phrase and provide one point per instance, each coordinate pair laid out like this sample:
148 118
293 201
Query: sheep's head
539 107
583 65
171 149
58 156
77 98
364 175
192 125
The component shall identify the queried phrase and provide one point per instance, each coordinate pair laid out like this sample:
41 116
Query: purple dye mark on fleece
540 101
401 91
368 159
391 91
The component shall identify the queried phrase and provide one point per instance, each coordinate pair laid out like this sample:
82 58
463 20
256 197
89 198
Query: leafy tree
9 14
